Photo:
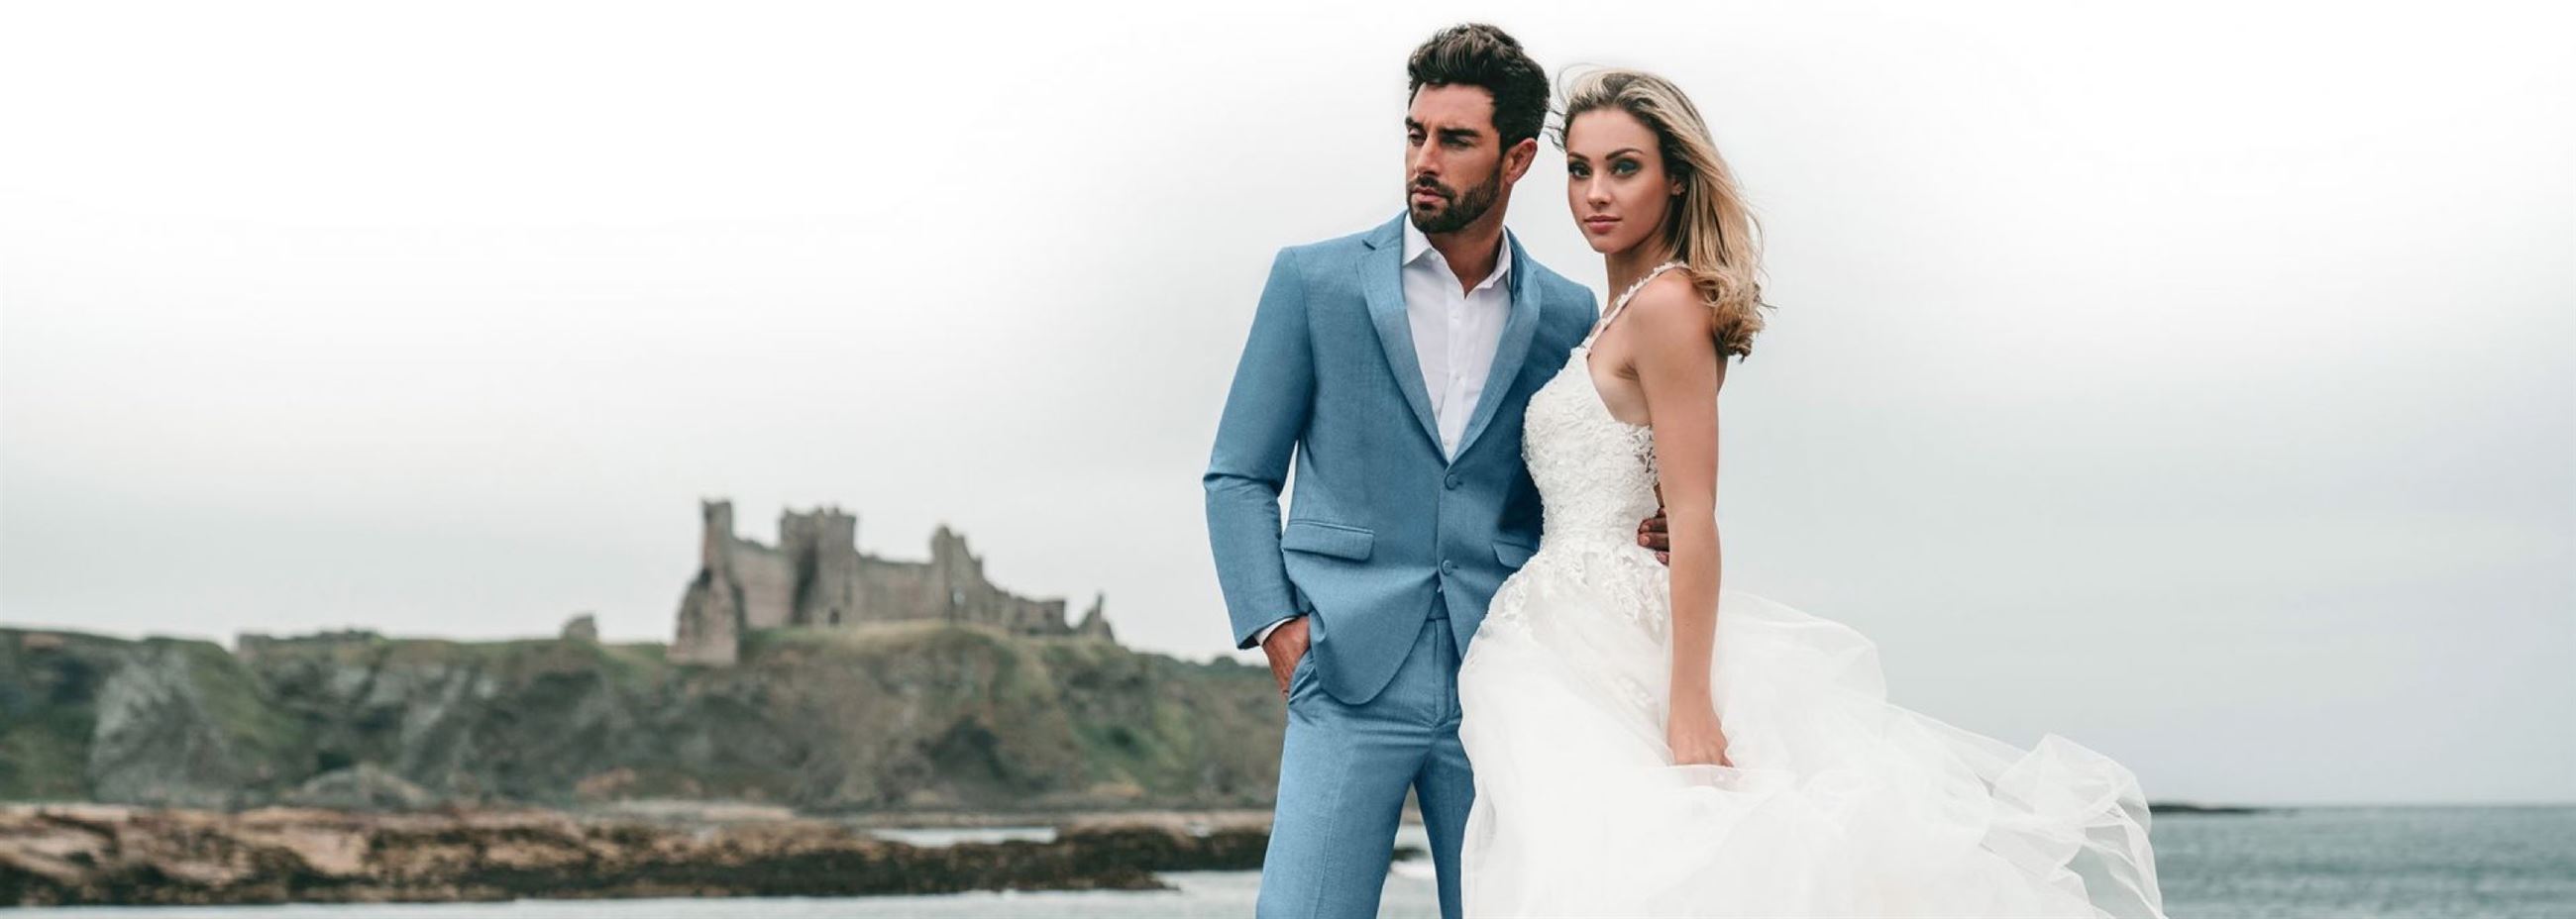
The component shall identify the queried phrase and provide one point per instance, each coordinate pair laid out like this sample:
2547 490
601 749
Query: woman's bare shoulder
1670 306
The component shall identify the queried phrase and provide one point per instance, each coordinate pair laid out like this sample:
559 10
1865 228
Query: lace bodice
1596 479
1595 473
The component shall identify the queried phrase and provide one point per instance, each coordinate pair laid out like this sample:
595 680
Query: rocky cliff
912 716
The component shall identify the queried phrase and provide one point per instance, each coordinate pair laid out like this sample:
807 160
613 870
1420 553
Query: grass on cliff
46 715
50 688
1141 724
235 700
1018 676
876 716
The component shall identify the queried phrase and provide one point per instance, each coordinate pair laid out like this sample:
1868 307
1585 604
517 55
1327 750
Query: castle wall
950 586
889 591
973 598
982 602
1041 617
768 585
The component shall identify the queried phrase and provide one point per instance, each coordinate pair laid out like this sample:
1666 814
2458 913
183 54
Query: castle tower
825 557
711 614
955 572
715 533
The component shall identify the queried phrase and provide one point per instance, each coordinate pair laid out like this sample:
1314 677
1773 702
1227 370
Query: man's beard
1462 210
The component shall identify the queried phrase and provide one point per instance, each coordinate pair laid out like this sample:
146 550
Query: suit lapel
1510 352
1382 281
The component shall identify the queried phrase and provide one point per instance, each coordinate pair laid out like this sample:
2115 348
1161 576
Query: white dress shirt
1456 330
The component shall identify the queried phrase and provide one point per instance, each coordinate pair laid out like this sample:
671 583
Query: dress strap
1622 303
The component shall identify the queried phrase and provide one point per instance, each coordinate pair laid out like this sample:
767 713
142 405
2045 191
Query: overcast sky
2197 381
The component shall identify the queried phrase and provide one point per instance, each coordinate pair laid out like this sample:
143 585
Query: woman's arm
1679 368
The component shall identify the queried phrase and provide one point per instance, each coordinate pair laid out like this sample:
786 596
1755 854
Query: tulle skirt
1837 802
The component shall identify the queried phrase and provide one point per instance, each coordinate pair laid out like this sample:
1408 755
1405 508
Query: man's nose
1425 161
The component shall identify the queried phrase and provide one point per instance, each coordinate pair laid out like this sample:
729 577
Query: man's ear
1517 159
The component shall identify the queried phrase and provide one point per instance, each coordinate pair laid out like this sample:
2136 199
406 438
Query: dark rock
102 856
363 787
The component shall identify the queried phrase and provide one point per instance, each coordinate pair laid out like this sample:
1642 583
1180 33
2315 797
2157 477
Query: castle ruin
816 577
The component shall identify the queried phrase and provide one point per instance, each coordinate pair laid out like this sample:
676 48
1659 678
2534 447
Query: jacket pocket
1331 539
1513 554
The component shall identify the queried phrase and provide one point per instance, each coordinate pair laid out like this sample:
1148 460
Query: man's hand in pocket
1285 646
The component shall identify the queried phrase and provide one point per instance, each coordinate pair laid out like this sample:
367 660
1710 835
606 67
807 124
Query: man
1392 367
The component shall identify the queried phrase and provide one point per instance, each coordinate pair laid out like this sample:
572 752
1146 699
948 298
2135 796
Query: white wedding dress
1837 802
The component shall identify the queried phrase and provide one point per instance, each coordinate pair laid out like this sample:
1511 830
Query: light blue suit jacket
1381 526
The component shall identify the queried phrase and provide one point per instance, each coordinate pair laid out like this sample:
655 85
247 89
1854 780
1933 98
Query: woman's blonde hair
1708 228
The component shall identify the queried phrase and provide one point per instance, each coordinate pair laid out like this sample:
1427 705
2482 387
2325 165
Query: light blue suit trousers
1342 781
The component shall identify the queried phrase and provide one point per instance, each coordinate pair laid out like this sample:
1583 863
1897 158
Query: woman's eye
1623 167
1578 171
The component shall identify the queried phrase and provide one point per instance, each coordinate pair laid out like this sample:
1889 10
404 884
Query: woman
1645 743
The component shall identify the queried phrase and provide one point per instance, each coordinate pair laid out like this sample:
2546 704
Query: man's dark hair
1476 54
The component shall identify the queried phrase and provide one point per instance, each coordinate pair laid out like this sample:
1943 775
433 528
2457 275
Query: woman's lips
1600 224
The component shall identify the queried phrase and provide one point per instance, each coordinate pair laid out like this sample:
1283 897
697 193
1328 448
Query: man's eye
1458 143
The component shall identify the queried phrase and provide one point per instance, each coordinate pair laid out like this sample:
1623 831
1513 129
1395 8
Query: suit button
1449 564
1454 480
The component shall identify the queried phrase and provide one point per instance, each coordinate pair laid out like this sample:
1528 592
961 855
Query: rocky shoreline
98 855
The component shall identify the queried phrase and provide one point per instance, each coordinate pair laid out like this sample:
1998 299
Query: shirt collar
1416 243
